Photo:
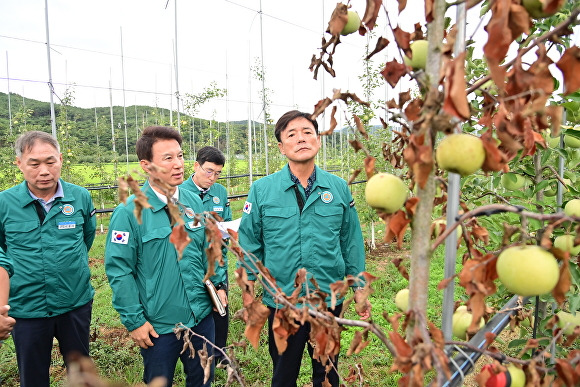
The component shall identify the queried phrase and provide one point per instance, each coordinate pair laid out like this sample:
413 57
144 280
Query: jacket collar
322 180
152 198
25 199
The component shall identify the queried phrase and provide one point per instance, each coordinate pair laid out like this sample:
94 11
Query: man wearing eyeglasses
208 168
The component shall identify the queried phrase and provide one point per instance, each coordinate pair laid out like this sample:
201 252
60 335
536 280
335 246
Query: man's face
206 174
299 142
168 158
41 166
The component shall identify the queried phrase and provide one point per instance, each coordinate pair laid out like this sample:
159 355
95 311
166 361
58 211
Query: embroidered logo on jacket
247 207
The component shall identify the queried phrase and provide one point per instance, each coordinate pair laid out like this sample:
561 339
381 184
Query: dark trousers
221 328
286 366
221 331
33 339
161 358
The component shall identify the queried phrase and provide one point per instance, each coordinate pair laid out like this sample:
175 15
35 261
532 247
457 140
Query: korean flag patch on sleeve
247 207
120 237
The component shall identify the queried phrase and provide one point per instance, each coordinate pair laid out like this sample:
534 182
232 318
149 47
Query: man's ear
281 148
144 165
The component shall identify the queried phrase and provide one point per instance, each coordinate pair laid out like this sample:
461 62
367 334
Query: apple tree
519 104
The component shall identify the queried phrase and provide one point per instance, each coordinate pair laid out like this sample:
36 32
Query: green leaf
541 185
545 156
517 343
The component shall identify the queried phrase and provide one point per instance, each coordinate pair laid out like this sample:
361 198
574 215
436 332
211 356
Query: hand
142 335
6 322
365 311
223 297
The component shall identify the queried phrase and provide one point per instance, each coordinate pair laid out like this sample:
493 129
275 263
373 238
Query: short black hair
289 116
210 154
150 136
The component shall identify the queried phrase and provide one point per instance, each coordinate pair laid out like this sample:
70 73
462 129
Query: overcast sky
217 40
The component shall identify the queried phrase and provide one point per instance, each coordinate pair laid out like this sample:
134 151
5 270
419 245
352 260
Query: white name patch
66 225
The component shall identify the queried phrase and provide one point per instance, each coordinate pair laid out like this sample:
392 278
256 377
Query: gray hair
27 140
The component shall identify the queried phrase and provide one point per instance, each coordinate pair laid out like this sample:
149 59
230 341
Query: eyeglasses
210 172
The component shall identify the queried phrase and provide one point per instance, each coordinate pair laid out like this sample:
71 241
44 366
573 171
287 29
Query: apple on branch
461 320
566 243
527 270
352 25
567 321
572 208
402 300
512 181
419 55
460 153
537 9
385 192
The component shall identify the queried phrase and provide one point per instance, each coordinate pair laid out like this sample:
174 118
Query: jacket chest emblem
68 209
326 196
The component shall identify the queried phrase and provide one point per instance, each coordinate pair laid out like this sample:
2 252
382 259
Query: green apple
571 141
386 192
566 243
489 86
572 208
461 309
460 153
402 300
553 142
567 321
439 226
352 25
527 270
460 321
517 375
512 181
570 175
536 10
419 53
551 190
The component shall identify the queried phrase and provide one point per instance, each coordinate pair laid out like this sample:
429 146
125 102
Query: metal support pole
452 206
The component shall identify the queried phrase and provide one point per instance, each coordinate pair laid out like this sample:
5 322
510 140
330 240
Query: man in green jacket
301 217
47 227
154 289
208 168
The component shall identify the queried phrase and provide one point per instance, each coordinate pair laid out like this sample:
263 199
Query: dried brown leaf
393 72
455 102
569 65
180 239
257 315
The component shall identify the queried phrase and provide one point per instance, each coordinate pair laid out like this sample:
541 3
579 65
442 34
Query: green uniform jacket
50 260
326 239
216 199
6 264
149 283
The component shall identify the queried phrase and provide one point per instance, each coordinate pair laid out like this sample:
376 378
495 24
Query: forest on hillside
101 130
